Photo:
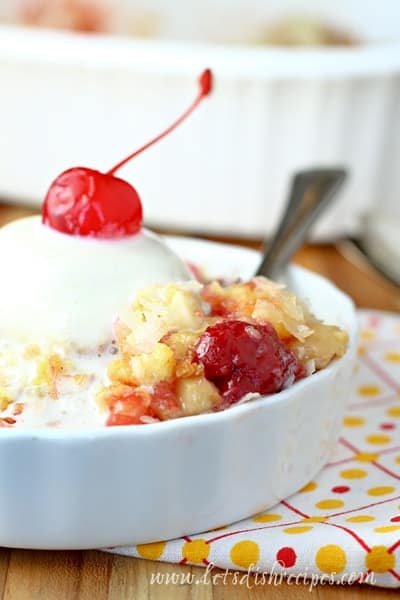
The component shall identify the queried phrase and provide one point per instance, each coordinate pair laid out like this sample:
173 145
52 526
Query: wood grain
92 575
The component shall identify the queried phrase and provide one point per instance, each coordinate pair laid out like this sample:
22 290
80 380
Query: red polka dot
395 519
286 557
387 426
340 489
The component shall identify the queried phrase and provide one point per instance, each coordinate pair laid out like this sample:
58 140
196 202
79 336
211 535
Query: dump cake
177 350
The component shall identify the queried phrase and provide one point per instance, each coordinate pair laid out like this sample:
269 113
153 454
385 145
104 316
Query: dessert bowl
288 108
96 487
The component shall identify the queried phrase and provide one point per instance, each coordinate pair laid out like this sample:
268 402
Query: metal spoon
311 193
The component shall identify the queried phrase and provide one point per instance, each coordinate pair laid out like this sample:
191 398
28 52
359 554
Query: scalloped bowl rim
233 61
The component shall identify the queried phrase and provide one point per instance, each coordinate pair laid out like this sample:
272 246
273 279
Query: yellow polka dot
367 334
245 554
393 357
366 456
267 518
378 438
381 490
397 459
196 550
151 551
387 528
329 503
394 411
369 390
353 473
361 351
331 559
309 487
296 530
353 421
360 519
315 519
379 559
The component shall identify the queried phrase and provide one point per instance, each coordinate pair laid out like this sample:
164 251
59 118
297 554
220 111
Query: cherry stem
205 87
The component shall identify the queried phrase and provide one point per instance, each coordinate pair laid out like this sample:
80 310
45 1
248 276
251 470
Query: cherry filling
132 407
86 202
239 358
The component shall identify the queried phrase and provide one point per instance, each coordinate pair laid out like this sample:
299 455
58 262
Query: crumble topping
179 349
158 374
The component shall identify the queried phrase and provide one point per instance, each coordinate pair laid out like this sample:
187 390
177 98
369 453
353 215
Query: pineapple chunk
156 311
197 395
325 343
287 319
49 369
182 344
155 366
5 400
120 371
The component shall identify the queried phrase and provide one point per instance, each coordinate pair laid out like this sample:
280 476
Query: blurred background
299 83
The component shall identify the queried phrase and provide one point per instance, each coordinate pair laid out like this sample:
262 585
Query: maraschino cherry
86 202
239 358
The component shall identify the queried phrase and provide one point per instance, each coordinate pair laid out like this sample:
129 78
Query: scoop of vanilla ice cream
57 287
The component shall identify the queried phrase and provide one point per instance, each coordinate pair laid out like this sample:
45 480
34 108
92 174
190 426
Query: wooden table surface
76 575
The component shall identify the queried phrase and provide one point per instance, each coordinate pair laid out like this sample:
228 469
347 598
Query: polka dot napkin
347 521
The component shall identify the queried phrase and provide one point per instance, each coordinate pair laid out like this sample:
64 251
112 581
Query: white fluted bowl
69 99
124 485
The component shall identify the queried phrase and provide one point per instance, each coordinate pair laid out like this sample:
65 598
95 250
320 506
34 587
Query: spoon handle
311 192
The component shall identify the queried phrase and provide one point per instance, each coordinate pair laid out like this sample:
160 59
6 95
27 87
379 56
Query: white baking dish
125 485
69 99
